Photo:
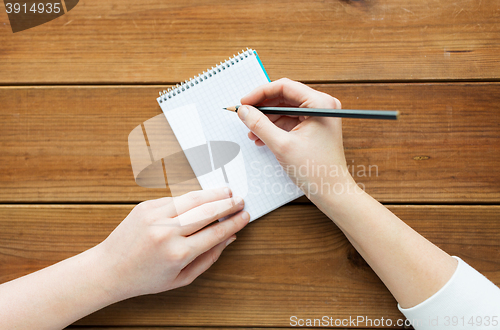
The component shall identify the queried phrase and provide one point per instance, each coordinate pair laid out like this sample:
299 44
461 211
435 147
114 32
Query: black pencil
341 113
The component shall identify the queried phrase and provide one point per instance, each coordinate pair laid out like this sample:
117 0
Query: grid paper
261 181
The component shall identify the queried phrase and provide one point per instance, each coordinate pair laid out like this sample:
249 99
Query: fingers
186 202
156 203
292 93
287 123
259 143
193 220
262 127
255 138
202 263
277 90
252 136
272 131
217 233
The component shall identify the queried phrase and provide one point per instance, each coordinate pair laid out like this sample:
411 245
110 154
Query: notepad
215 141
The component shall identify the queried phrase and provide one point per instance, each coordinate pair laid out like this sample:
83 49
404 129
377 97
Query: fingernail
238 200
231 240
243 112
227 191
245 216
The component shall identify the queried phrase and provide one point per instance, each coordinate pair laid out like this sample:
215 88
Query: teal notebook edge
262 65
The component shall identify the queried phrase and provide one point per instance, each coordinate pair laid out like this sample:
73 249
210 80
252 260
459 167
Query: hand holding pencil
340 113
298 141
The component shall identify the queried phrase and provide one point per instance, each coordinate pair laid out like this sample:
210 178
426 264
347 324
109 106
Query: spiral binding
187 84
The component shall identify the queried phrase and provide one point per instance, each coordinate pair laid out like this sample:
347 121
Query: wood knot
354 2
355 258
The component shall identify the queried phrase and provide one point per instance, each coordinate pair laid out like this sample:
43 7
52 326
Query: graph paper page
196 116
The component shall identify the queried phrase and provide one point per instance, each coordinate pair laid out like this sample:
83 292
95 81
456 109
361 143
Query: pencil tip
233 109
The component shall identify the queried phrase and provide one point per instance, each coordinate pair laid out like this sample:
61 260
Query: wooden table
72 90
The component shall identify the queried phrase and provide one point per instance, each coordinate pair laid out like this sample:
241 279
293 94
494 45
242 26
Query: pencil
341 113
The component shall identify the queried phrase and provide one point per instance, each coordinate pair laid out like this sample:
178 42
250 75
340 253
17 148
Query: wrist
337 196
330 189
104 276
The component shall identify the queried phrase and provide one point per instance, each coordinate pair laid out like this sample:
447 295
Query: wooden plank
441 150
293 261
125 41
70 144
192 328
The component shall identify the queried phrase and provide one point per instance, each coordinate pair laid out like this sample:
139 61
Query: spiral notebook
215 141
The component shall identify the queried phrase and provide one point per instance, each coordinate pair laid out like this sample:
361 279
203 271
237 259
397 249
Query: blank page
215 141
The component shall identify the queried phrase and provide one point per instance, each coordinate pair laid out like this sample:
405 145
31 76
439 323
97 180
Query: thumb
261 126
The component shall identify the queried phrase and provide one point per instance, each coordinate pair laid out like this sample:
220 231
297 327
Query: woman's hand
162 244
417 269
309 148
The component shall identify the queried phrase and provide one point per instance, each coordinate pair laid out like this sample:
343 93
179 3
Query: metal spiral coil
192 82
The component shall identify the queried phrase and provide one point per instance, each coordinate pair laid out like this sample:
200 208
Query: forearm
411 267
57 296
149 252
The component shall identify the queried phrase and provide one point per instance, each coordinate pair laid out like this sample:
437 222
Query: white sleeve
467 301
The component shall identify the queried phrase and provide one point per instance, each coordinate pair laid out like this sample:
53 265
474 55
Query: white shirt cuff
467 301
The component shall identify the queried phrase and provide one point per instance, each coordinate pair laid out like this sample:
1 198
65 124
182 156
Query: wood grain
64 148
70 144
293 261
126 41
191 328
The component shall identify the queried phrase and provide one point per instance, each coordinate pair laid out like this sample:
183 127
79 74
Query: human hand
309 148
161 244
